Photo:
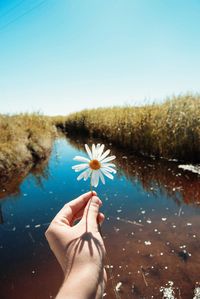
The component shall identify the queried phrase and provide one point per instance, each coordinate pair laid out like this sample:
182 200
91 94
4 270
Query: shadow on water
151 231
155 255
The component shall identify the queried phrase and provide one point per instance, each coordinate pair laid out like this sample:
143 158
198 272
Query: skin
79 248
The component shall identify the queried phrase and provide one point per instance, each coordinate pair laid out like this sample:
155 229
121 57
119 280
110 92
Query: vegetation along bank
170 130
24 140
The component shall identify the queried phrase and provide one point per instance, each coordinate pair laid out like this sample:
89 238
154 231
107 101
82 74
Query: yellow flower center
95 164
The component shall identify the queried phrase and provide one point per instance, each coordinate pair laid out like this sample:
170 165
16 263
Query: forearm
82 284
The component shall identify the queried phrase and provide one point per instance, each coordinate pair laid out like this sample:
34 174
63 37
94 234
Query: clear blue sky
60 56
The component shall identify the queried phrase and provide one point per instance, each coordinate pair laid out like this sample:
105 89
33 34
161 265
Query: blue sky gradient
60 56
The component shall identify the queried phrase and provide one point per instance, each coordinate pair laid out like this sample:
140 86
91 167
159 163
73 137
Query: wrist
83 283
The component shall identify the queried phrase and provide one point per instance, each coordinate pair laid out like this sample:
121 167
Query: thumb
91 213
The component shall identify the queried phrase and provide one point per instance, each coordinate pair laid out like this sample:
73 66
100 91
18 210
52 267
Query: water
151 230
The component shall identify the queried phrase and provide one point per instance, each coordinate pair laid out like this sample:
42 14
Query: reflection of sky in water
153 220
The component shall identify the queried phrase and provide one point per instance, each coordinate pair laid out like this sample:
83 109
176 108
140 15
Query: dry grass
24 138
170 130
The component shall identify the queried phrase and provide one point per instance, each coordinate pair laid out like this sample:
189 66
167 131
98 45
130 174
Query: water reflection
11 185
156 176
151 229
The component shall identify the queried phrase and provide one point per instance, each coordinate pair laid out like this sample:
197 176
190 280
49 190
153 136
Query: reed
170 129
24 138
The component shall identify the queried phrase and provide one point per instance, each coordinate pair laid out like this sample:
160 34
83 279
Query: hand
79 249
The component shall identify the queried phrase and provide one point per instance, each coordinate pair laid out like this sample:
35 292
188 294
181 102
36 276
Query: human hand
79 249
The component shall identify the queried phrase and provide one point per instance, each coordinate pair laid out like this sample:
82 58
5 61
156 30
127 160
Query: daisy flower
96 165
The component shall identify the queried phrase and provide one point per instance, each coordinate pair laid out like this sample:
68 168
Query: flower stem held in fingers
95 167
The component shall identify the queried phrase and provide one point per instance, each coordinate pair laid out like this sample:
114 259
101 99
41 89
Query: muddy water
151 229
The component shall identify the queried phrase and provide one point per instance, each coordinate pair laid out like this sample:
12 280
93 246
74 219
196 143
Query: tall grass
170 129
23 139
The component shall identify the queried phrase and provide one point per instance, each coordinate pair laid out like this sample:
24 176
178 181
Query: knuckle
95 200
50 231
66 206
94 205
47 233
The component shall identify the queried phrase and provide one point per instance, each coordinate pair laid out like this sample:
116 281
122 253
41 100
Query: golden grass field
23 139
170 129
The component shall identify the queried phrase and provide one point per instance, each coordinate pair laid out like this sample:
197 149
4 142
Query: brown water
151 229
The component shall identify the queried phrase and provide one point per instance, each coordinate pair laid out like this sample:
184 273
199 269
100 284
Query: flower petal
101 177
80 167
100 151
93 151
88 151
109 169
108 159
104 155
98 146
97 150
87 174
81 159
95 178
109 175
108 164
82 175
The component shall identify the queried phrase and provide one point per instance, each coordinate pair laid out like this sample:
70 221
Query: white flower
96 166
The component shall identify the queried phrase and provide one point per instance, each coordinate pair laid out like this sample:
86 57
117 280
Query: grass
170 129
24 138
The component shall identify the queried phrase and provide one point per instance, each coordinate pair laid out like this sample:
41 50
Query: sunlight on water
151 230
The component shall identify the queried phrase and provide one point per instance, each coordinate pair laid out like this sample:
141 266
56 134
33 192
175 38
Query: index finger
66 214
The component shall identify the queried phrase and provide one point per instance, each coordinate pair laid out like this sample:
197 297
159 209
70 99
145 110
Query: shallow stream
151 230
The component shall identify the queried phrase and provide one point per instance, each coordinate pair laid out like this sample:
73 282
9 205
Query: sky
61 56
